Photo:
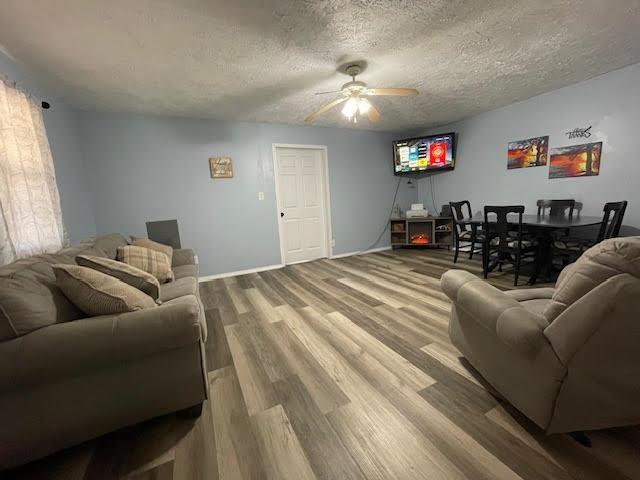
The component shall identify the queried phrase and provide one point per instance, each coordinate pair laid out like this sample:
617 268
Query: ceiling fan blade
325 108
392 92
324 93
373 114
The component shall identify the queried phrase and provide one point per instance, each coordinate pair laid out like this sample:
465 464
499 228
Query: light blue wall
62 131
610 103
153 168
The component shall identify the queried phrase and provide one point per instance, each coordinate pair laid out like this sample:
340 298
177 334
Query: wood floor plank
256 388
238 455
323 446
283 457
216 347
323 390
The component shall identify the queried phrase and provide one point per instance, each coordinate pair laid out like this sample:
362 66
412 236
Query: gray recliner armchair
567 357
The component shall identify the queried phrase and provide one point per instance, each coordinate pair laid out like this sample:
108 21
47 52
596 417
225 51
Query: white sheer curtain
30 215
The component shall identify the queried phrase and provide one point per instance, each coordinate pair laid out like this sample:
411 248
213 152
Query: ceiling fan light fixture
363 106
350 108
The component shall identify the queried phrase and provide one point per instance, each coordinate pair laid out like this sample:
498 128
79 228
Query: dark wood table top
543 221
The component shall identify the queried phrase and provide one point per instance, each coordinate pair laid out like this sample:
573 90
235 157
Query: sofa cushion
185 271
128 274
30 298
158 247
178 288
151 261
96 293
601 262
108 244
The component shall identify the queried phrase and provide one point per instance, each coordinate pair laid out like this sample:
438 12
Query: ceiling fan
354 97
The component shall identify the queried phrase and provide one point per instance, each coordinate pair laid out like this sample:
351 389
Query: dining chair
463 231
556 208
505 240
571 248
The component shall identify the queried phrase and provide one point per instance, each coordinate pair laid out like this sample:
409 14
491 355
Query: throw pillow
158 247
151 261
126 273
96 293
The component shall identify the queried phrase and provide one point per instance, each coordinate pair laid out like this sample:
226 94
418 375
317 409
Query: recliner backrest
605 260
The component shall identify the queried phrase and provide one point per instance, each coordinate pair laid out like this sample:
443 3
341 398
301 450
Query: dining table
542 228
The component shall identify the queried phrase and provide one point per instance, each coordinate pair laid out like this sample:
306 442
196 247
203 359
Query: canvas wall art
576 160
221 167
531 152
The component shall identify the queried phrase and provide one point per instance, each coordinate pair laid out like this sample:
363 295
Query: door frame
326 197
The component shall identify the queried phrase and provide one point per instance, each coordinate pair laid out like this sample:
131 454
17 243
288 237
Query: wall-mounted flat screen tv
424 154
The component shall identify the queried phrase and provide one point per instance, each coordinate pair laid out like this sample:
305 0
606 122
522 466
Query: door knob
281 214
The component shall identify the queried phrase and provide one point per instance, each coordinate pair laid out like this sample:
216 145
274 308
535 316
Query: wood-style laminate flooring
343 369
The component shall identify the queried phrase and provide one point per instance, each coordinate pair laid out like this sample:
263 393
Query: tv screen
424 154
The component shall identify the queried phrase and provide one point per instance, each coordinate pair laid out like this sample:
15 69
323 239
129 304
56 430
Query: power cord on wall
386 226
433 195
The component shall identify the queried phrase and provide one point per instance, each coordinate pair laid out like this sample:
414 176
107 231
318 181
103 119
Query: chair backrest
557 208
610 226
458 212
502 226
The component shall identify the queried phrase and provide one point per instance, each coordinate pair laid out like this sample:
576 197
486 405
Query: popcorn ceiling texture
263 60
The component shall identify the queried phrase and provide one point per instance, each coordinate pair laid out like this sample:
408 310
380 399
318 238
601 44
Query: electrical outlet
333 242
260 195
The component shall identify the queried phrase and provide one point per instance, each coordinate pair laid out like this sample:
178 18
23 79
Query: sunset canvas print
531 152
576 160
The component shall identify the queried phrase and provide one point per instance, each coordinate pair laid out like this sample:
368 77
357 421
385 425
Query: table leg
544 258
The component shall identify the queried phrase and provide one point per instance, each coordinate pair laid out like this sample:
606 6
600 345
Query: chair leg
473 246
485 262
517 273
455 255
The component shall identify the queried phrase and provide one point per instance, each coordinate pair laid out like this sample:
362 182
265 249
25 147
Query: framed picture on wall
576 160
221 167
531 152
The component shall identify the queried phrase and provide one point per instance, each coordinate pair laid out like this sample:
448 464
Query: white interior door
301 203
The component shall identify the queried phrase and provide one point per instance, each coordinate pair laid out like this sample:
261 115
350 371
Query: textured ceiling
263 60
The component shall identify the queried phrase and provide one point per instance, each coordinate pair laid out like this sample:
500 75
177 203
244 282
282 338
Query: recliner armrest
80 346
496 311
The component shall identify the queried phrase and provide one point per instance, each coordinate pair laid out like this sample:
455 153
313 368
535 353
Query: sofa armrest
80 346
524 294
183 256
496 311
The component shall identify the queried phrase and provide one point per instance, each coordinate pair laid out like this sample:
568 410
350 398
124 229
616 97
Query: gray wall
62 131
152 168
611 103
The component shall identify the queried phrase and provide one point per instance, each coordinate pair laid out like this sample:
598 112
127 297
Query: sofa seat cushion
192 300
126 273
598 264
178 288
151 261
27 304
185 271
96 293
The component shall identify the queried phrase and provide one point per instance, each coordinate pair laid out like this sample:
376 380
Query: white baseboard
280 265
360 252
239 272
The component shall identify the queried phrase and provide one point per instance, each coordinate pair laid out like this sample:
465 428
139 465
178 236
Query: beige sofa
567 357
65 379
